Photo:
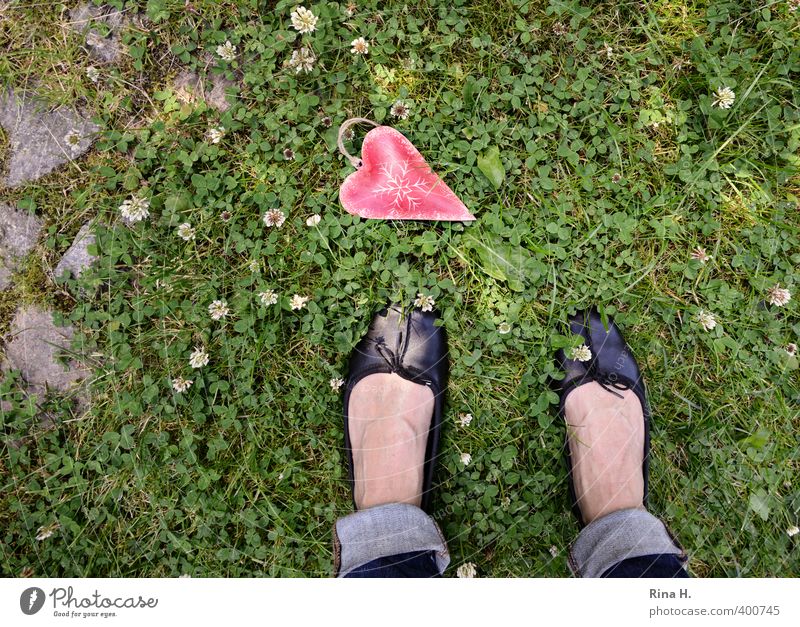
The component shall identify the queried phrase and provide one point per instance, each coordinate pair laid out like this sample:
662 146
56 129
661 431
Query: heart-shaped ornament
394 182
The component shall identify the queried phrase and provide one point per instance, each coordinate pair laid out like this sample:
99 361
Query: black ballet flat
412 347
612 366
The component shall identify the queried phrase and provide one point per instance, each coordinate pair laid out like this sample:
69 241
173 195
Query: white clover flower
73 140
135 209
464 419
466 458
700 254
724 97
401 110
503 328
350 9
791 349
253 266
559 29
554 551
467 571
298 302
227 51
42 533
607 50
424 302
580 353
198 358
186 231
303 20
218 309
268 297
792 531
314 220
302 60
274 217
706 319
180 385
778 296
215 134
92 73
360 46
336 384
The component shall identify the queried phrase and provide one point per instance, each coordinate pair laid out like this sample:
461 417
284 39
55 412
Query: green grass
243 474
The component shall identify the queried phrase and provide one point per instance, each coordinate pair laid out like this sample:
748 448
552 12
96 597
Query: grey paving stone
32 345
192 87
218 97
40 139
18 233
77 258
104 44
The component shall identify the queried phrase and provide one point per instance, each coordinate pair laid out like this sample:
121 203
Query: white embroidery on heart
398 186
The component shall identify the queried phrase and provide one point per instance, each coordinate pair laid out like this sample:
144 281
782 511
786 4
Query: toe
575 371
611 352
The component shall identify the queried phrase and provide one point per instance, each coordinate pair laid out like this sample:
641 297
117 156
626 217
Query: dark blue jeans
423 564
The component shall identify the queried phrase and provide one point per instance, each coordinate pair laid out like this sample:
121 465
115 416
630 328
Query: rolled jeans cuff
618 536
382 531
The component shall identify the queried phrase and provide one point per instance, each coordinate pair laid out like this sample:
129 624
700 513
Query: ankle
606 440
389 420
386 470
590 512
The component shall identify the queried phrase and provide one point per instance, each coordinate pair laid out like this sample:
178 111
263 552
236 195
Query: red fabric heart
396 183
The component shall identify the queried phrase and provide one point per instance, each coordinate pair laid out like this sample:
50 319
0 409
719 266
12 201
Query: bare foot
606 443
389 419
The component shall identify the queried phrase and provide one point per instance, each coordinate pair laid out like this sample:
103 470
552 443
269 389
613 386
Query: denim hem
619 536
382 531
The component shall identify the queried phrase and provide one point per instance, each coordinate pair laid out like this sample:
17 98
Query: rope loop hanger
354 161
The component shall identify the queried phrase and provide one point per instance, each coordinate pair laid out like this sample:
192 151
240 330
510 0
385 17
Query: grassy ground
616 165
